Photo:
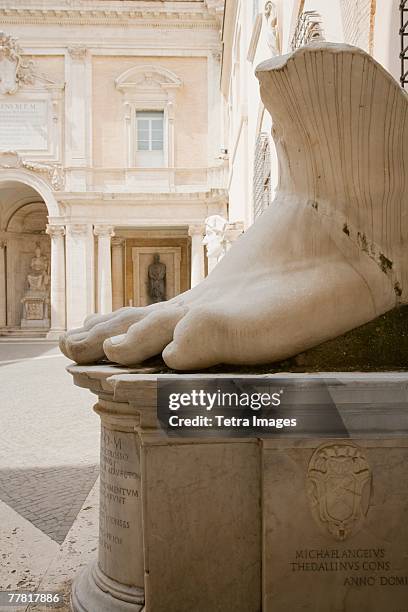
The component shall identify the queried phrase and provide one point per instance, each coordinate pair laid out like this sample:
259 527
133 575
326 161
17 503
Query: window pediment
147 78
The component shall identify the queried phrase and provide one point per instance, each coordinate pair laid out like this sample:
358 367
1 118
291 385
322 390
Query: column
215 143
118 297
58 294
197 254
3 302
104 282
78 135
79 265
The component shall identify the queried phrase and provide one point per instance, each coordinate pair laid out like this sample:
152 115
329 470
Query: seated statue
38 277
328 255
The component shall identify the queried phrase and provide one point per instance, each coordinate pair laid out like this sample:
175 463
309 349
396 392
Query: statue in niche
36 298
327 256
38 277
272 34
157 280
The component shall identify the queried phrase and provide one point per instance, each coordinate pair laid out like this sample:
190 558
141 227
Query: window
150 139
149 102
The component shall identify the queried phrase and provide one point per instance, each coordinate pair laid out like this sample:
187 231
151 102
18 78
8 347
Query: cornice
142 198
153 17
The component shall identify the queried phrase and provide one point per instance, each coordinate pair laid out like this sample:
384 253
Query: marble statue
36 299
328 255
214 239
272 34
39 274
156 273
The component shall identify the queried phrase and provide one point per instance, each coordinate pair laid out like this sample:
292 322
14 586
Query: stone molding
212 196
78 229
55 231
53 173
216 7
78 52
216 54
143 77
104 230
196 230
101 13
117 242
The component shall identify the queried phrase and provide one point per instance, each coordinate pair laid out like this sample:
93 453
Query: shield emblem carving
339 488
14 70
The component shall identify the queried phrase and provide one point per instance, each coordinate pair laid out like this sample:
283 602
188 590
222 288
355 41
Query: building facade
109 154
124 125
256 30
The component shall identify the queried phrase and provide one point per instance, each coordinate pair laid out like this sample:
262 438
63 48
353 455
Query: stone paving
49 456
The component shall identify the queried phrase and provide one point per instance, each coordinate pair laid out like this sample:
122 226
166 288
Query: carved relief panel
30 106
339 488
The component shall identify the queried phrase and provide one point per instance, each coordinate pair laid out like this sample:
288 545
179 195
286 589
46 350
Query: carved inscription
361 566
120 538
24 125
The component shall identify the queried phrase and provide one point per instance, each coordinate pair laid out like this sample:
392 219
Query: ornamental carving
14 70
339 488
309 29
78 52
147 77
53 173
216 8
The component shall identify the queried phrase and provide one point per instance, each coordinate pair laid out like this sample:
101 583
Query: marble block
252 523
335 540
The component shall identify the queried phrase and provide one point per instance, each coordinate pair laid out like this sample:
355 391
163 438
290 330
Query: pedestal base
301 523
35 323
92 591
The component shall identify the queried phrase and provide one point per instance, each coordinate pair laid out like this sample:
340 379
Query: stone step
18 333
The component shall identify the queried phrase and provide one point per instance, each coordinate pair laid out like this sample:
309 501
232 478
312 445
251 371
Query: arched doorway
25 261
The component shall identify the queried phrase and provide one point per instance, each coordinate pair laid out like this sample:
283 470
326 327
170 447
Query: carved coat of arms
339 488
13 69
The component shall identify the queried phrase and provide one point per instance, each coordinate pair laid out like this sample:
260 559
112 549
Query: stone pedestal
35 310
249 524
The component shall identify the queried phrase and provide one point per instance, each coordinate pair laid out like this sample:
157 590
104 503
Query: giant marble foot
328 254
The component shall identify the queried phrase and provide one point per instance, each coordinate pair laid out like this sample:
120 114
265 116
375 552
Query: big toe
86 346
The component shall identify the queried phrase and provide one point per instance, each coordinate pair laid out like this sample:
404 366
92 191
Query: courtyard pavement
49 456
